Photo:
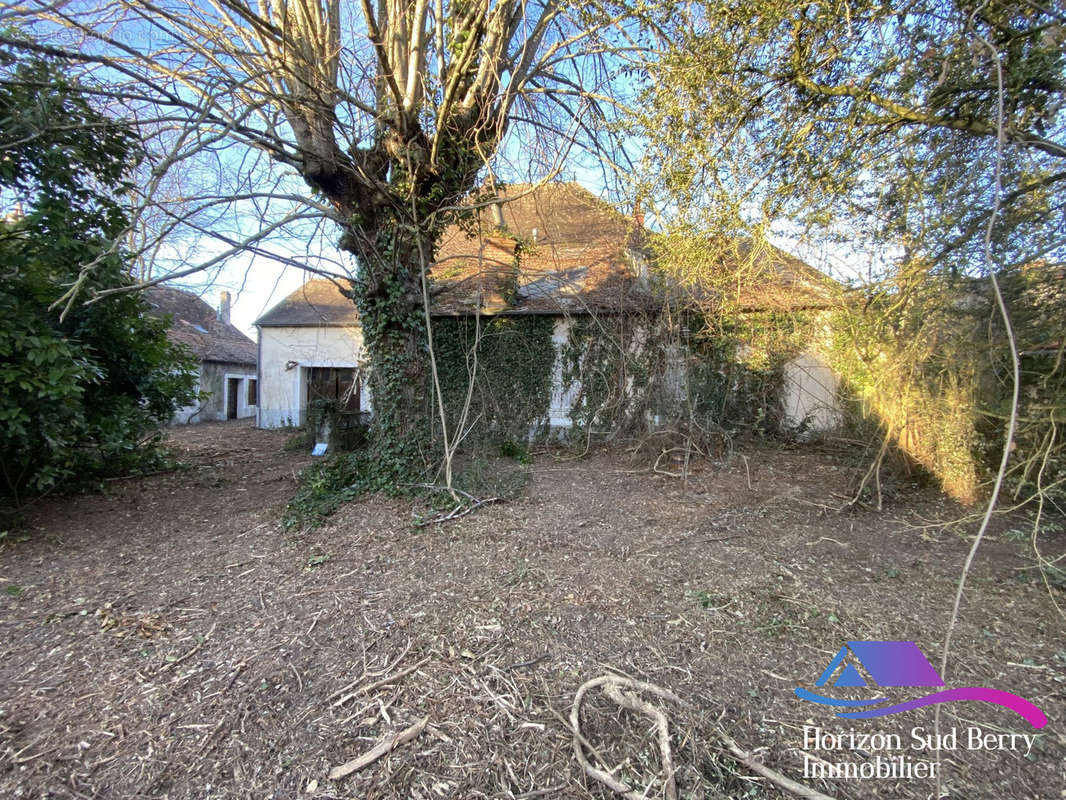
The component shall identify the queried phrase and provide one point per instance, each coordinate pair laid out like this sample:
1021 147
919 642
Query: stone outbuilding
227 378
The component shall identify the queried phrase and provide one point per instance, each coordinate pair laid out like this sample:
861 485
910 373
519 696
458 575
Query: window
253 392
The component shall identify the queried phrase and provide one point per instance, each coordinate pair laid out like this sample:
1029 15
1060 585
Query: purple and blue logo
901 664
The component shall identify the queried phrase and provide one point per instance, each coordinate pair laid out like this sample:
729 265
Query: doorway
233 386
335 386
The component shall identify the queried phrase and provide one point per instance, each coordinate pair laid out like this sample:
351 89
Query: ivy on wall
736 368
688 371
612 365
515 363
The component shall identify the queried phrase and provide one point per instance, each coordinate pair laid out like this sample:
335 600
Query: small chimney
535 233
223 306
497 215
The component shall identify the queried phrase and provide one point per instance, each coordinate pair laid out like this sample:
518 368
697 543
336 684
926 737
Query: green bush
331 482
82 393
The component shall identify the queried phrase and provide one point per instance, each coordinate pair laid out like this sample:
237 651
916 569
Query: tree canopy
391 114
874 122
924 144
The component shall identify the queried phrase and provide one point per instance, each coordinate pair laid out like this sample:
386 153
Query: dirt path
168 639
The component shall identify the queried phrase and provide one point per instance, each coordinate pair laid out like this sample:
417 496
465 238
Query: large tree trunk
393 230
388 294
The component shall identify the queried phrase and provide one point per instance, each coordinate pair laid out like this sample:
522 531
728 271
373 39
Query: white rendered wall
563 398
809 394
213 379
244 408
285 354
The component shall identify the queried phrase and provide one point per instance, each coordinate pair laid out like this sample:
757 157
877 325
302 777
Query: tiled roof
317 303
560 250
195 324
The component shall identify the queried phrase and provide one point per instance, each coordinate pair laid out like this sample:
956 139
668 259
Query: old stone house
573 330
227 379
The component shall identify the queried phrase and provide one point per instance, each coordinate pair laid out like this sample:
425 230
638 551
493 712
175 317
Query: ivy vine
513 378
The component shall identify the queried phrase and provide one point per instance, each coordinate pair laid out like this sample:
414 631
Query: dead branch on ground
378 684
613 685
459 511
775 777
622 691
381 748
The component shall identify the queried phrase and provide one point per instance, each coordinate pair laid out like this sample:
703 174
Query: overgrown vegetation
328 484
512 367
736 369
924 363
511 360
706 374
611 366
83 392
741 311
924 150
1037 296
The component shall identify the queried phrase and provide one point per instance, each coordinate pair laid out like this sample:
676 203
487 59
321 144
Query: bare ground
165 638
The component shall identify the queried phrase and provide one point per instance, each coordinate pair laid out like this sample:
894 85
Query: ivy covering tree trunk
388 294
